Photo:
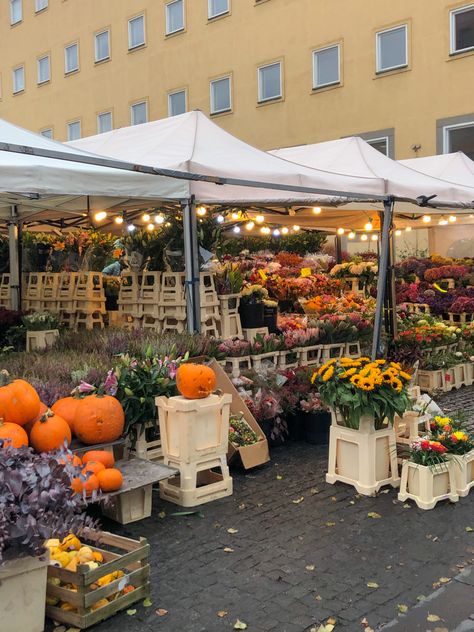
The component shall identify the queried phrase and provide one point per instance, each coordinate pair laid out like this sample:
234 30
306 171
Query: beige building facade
273 72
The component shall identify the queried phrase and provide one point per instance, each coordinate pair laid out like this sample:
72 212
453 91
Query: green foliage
300 243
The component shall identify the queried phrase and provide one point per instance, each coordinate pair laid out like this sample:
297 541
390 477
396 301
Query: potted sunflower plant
364 397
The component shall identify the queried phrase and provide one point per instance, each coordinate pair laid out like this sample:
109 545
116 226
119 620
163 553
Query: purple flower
84 387
111 383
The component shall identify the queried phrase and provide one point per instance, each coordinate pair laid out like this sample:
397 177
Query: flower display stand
459 375
464 473
428 485
66 290
289 359
433 381
146 448
5 292
194 434
128 302
50 292
249 334
418 308
413 392
39 340
310 355
265 360
352 349
23 593
450 282
469 368
407 428
89 300
329 352
34 291
463 318
356 284
236 365
230 325
365 458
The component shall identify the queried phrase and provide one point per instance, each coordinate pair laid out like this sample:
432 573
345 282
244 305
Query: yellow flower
313 377
348 373
396 384
366 384
461 436
396 365
355 379
328 374
405 376
325 366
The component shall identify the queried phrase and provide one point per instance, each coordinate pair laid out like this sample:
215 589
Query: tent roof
193 143
456 167
355 156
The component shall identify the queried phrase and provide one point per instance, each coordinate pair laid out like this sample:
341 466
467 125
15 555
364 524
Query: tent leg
191 266
338 245
14 260
382 279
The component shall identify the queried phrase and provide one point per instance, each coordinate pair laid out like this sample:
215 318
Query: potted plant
270 315
251 306
36 503
265 407
428 475
364 397
450 433
42 329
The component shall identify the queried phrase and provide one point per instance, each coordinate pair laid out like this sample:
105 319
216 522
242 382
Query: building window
174 16
47 133
220 95
18 79
383 140
326 66
392 49
16 11
177 103
462 29
74 130
136 32
40 5
44 69
216 8
102 46
104 122
459 137
71 58
139 113
380 144
269 82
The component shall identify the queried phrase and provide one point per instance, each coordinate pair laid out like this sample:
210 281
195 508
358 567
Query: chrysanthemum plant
358 387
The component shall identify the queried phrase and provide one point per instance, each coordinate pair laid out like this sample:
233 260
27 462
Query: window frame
99 114
38 61
379 139
135 103
447 128
142 44
22 67
378 69
172 93
339 66
452 30
13 23
42 8
66 71
259 94
47 129
73 122
216 15
183 28
212 111
96 35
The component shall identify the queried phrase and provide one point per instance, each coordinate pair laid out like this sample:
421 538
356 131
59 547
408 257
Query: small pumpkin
93 466
102 456
99 419
50 432
66 408
110 480
12 435
30 424
88 486
19 402
195 381
71 459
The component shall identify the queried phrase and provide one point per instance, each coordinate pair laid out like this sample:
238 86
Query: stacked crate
50 292
66 290
210 312
34 292
5 292
230 325
89 300
172 302
149 300
129 306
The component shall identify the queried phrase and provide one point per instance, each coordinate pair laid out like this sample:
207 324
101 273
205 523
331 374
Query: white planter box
289 359
464 472
365 458
145 449
265 360
235 366
335 350
311 355
23 594
439 380
352 349
40 340
469 373
428 485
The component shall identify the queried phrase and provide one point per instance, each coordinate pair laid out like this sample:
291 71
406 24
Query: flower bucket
251 315
316 427
270 317
428 485
40 340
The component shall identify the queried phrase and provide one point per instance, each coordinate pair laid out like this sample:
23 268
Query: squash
30 424
66 408
12 435
99 419
195 381
19 402
88 486
102 456
50 433
110 480
93 466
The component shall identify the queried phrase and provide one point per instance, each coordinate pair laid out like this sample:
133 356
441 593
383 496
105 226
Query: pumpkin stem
47 414
5 377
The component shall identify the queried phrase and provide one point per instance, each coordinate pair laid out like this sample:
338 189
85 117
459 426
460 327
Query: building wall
435 85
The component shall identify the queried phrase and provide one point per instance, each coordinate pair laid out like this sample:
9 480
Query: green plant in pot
252 307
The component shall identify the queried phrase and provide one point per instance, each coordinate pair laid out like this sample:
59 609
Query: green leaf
131 612
372 585
240 625
147 603
374 515
402 608
199 514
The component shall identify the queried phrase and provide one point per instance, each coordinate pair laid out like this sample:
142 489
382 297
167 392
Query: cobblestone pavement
302 551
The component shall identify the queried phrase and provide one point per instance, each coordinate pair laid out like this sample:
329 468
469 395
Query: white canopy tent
456 167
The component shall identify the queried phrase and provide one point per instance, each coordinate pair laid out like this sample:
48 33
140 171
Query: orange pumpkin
93 466
110 480
49 433
102 456
30 424
73 459
19 402
89 485
99 419
13 435
195 381
66 408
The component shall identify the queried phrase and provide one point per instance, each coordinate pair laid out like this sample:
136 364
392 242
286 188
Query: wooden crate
148 448
132 560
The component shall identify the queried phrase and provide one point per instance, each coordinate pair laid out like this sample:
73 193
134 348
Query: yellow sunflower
328 373
348 373
396 365
325 366
355 379
396 384
366 384
405 376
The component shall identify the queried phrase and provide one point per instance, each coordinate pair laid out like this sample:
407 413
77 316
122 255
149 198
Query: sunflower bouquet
358 386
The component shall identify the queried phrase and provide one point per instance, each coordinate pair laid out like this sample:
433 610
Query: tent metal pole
14 259
338 244
191 266
382 277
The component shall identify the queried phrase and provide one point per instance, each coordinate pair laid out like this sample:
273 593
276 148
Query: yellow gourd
71 542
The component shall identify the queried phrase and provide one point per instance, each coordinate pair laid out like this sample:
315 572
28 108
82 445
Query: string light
398 233
220 219
201 211
471 216
260 219
316 210
159 219
265 230
100 216
427 219
296 228
408 229
276 232
249 225
236 229
363 237
351 235
118 219
131 228
452 218
235 215
146 217
443 221
375 237
369 225
340 231
285 230
150 227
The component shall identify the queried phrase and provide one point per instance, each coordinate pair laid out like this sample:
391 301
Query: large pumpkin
13 435
66 408
195 381
30 424
99 419
19 402
50 433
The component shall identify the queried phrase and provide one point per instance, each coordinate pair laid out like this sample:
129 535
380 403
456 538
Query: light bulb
236 229
131 228
276 232
220 218
443 221
397 233
369 225
471 216
118 219
260 219
296 228
249 225
374 237
363 237
150 227
235 215
201 211
159 219
452 218
351 235
100 216
408 229
316 210
265 230
340 231
427 219
284 230
146 217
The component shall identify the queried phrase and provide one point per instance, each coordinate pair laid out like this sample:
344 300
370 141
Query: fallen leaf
147 603
242 506
432 618
330 524
313 491
297 501
331 621
240 625
402 608
227 549
279 478
352 502
384 491
310 567
388 567
406 506
161 612
197 513
259 504
232 531
131 612
318 598
372 585
421 598
469 529
73 630
444 580
333 498
162 514
374 515
222 613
